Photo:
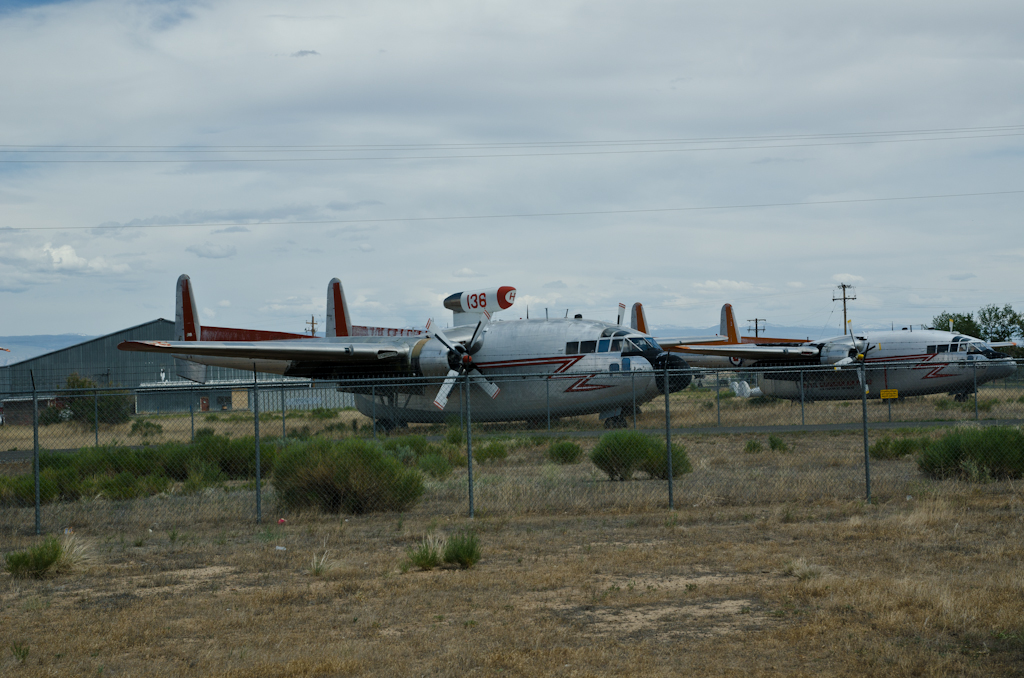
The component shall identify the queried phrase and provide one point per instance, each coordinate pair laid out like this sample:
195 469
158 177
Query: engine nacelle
478 301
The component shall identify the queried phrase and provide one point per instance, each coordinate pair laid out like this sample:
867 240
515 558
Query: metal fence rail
107 459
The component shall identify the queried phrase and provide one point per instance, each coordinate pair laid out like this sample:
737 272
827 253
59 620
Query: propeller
856 353
460 361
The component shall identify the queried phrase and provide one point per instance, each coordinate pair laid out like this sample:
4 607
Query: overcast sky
683 154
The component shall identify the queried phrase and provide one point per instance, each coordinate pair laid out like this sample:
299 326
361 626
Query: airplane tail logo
338 322
186 317
637 320
727 326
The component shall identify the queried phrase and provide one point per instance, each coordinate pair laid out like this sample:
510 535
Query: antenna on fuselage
546 314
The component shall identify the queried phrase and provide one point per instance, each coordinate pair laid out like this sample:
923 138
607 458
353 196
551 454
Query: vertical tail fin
637 320
622 314
338 322
727 326
187 328
186 317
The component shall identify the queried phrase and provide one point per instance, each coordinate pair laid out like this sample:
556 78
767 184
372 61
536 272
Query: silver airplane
913 362
585 362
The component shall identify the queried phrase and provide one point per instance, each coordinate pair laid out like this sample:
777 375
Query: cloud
467 273
795 285
962 276
210 251
306 53
555 285
847 278
365 247
724 286
224 303
232 229
209 313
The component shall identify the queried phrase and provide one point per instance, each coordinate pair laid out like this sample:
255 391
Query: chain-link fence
173 454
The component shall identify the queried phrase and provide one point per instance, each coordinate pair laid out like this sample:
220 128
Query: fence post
668 442
192 408
547 394
864 410
632 383
256 428
284 429
96 414
373 408
974 369
802 398
35 448
718 395
469 444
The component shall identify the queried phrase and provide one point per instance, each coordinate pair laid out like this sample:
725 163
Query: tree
963 323
998 324
112 407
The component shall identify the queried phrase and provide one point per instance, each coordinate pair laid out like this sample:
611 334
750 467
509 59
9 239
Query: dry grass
930 586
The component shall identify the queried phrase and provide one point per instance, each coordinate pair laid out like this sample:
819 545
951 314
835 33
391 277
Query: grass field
931 584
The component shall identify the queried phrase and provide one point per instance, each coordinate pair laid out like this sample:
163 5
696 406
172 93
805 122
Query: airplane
911 362
585 362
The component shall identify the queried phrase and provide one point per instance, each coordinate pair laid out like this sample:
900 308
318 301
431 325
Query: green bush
38 561
975 454
418 444
620 453
656 463
351 476
453 436
112 407
146 428
435 464
492 451
896 448
777 444
429 554
564 452
49 415
463 550
753 447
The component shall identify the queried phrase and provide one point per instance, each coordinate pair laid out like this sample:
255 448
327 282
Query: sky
682 154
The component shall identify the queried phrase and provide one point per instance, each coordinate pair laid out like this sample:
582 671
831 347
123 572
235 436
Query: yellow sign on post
889 393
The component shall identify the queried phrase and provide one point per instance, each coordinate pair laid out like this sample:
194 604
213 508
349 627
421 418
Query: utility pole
756 321
311 325
844 287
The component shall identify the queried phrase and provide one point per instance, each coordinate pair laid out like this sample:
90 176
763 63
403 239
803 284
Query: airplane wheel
616 422
962 397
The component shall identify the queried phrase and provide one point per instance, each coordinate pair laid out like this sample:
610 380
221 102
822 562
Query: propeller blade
473 346
480 380
446 388
440 336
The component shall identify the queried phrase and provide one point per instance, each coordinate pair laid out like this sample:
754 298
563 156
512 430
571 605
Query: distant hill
30 345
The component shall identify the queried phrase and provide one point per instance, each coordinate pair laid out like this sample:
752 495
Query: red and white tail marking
637 320
186 317
622 314
727 326
338 322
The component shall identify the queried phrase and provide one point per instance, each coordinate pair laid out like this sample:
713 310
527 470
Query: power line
633 151
512 216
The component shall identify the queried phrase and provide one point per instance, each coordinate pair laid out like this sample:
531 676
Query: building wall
99 361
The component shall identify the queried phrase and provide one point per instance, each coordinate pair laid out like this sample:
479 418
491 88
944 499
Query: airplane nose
678 379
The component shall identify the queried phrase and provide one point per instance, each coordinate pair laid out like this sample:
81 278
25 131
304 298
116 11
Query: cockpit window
588 346
616 345
603 344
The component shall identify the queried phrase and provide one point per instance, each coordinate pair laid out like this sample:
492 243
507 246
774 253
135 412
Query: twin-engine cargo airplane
914 363
585 361
911 362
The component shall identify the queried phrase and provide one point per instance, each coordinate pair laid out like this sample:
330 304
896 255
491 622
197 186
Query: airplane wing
666 342
753 352
364 350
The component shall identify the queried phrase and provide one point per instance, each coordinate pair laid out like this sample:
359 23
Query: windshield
640 344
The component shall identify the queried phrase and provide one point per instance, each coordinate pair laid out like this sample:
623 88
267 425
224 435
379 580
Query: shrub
896 448
353 476
49 415
418 444
975 454
564 452
619 453
463 550
453 436
494 450
656 463
435 464
49 558
429 553
753 446
322 413
777 444
146 428
111 407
